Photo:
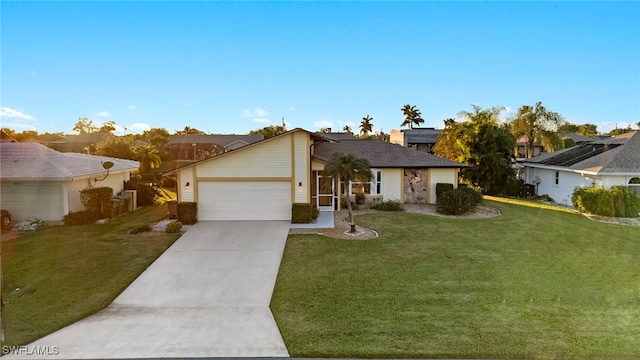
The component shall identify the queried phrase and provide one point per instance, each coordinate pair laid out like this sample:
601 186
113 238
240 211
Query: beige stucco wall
436 176
397 137
392 182
73 193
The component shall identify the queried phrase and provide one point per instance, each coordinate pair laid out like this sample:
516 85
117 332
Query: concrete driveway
207 296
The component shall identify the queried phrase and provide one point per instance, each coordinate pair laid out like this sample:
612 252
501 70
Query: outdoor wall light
300 185
186 186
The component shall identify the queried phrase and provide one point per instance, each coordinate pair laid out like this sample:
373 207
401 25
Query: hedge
441 188
458 201
303 213
618 201
187 212
97 200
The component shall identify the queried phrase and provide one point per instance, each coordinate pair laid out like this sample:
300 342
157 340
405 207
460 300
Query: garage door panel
244 200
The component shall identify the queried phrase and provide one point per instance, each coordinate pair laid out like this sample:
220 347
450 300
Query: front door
325 190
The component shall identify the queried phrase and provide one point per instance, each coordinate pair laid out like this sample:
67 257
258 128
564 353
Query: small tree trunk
351 222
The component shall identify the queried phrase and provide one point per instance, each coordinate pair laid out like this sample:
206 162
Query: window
374 187
557 177
634 184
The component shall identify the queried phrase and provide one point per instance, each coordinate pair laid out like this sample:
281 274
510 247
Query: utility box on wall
133 199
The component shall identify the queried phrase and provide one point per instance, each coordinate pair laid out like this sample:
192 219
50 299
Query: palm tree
347 128
536 123
148 157
411 116
366 126
348 168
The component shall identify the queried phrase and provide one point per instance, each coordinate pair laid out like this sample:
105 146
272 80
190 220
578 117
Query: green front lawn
532 283
65 273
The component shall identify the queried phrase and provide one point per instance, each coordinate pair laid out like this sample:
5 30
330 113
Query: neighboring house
421 139
80 143
261 181
522 147
607 162
36 181
188 146
578 139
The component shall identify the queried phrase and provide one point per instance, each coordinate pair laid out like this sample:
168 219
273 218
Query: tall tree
412 116
158 137
588 130
116 146
84 126
481 143
347 128
347 168
148 157
270 131
366 126
107 127
188 130
537 124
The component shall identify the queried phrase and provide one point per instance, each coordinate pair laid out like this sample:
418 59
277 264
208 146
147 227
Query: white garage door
244 200
43 200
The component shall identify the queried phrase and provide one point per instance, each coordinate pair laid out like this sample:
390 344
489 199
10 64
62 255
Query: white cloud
139 127
324 123
291 108
262 121
103 114
255 113
132 107
9 113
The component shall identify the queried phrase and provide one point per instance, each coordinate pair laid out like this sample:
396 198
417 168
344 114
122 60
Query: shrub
83 217
303 213
187 212
145 193
441 188
514 187
619 201
458 201
605 205
173 227
139 229
475 196
97 200
389 205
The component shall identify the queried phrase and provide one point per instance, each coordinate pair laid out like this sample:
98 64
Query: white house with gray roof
36 181
601 163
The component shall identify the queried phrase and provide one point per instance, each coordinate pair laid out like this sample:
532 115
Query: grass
66 273
534 283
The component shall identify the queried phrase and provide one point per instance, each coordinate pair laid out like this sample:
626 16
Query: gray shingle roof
620 154
337 136
222 140
33 161
382 154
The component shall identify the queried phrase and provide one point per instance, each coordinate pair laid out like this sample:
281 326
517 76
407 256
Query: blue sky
230 67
